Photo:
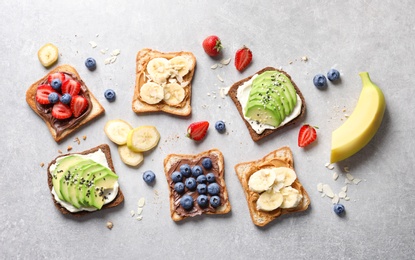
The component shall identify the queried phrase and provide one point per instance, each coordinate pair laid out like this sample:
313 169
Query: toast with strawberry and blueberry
63 101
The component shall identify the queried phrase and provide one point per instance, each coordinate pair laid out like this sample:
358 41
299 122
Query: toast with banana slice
271 186
163 82
63 119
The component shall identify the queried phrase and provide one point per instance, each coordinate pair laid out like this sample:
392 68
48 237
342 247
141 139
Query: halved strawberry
243 57
197 130
78 105
56 75
307 135
61 111
42 94
71 87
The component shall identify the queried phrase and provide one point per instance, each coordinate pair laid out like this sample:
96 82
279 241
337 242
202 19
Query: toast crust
281 157
256 137
117 200
96 110
139 106
173 161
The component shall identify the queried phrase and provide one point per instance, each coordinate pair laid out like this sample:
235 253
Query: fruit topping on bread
267 101
197 185
163 82
84 182
271 186
63 101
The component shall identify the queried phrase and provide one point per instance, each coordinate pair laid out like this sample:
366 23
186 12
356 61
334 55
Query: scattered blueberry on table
149 177
91 64
333 75
320 81
109 94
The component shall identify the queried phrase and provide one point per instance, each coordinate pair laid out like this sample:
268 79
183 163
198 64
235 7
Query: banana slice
261 180
129 157
173 94
158 69
48 54
151 93
143 138
117 131
292 197
269 200
285 175
179 65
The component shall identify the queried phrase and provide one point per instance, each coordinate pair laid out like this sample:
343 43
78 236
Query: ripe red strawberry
243 57
56 75
71 86
212 45
42 94
197 130
307 135
78 105
61 111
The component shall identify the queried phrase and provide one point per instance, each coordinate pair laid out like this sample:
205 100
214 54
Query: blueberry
185 170
109 94
176 176
201 179
339 209
320 81
149 177
56 84
333 75
196 171
201 188
203 201
179 187
207 163
66 98
210 177
190 183
213 189
215 201
220 126
187 202
53 97
91 64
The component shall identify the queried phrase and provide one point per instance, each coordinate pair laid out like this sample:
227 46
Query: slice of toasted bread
254 135
281 157
173 162
118 199
60 133
143 58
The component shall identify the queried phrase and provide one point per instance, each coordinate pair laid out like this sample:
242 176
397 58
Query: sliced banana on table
158 70
129 157
173 94
261 180
269 200
151 93
292 197
179 65
143 138
117 131
48 54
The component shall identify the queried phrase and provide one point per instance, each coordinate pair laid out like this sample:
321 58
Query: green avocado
101 184
61 169
263 113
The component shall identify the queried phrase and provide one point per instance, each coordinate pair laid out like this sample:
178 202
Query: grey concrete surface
352 36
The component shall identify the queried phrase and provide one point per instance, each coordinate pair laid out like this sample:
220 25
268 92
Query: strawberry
307 135
70 86
56 75
212 45
78 105
61 111
197 130
42 94
243 57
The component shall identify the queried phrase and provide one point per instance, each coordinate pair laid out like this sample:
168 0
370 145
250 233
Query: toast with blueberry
196 184
271 186
63 101
163 82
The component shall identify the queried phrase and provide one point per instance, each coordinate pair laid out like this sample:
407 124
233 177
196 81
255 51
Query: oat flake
328 191
335 176
320 187
141 202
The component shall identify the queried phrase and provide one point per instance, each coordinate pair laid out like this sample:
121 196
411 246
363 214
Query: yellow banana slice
48 54
285 175
269 201
261 180
143 138
292 197
151 93
158 70
117 131
173 94
179 65
129 157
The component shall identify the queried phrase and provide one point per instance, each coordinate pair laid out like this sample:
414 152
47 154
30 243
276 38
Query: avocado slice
101 184
288 85
61 169
89 176
263 113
